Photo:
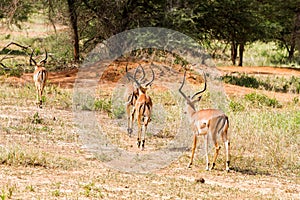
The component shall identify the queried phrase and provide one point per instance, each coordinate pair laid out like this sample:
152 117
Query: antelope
131 95
40 76
207 122
142 109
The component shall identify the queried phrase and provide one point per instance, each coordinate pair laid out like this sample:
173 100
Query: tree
73 21
235 22
15 11
285 16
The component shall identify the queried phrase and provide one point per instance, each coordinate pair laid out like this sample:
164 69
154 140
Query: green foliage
16 11
260 100
102 105
243 80
91 190
118 112
37 119
276 84
236 106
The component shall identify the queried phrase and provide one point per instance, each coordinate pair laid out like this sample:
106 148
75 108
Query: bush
262 100
243 80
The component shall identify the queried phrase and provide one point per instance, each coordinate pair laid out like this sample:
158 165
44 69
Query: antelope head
142 87
190 101
40 63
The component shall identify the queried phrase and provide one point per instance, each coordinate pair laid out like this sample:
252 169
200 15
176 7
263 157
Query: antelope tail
223 121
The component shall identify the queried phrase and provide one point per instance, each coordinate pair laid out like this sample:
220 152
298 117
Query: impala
40 76
210 123
142 109
131 95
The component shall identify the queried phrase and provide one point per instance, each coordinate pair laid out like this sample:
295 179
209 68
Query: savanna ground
42 155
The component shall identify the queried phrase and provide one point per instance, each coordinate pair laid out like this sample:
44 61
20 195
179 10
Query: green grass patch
20 156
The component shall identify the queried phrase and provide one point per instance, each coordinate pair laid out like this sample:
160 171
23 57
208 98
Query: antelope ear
43 62
148 86
199 98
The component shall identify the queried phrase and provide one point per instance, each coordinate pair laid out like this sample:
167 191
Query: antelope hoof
139 144
213 166
227 166
189 165
143 144
129 131
207 167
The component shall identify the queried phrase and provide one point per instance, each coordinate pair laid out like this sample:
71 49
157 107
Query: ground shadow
249 171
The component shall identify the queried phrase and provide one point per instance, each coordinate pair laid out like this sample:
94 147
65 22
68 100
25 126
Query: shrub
243 80
262 100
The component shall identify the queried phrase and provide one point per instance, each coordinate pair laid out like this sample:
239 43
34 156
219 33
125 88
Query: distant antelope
207 122
40 76
131 95
142 109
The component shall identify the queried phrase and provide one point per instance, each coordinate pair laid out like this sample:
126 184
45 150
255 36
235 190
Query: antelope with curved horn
131 95
142 109
40 76
207 122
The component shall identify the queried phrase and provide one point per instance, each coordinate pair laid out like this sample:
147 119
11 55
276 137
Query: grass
264 138
41 156
19 156
266 141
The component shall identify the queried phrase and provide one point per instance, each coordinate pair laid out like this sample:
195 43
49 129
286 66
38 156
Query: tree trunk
241 53
233 52
73 21
295 36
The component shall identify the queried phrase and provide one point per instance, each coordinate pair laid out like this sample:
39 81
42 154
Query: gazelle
40 76
207 122
131 95
142 109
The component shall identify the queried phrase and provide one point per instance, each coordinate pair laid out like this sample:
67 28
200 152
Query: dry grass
42 157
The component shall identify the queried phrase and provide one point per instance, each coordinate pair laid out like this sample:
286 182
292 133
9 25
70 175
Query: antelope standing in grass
131 95
40 76
207 122
142 109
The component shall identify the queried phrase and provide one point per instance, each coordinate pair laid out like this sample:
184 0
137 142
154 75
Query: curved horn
133 79
153 76
142 78
129 77
45 60
203 88
127 74
186 98
31 59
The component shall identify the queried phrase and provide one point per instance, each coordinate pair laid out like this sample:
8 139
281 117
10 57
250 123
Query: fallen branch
19 45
